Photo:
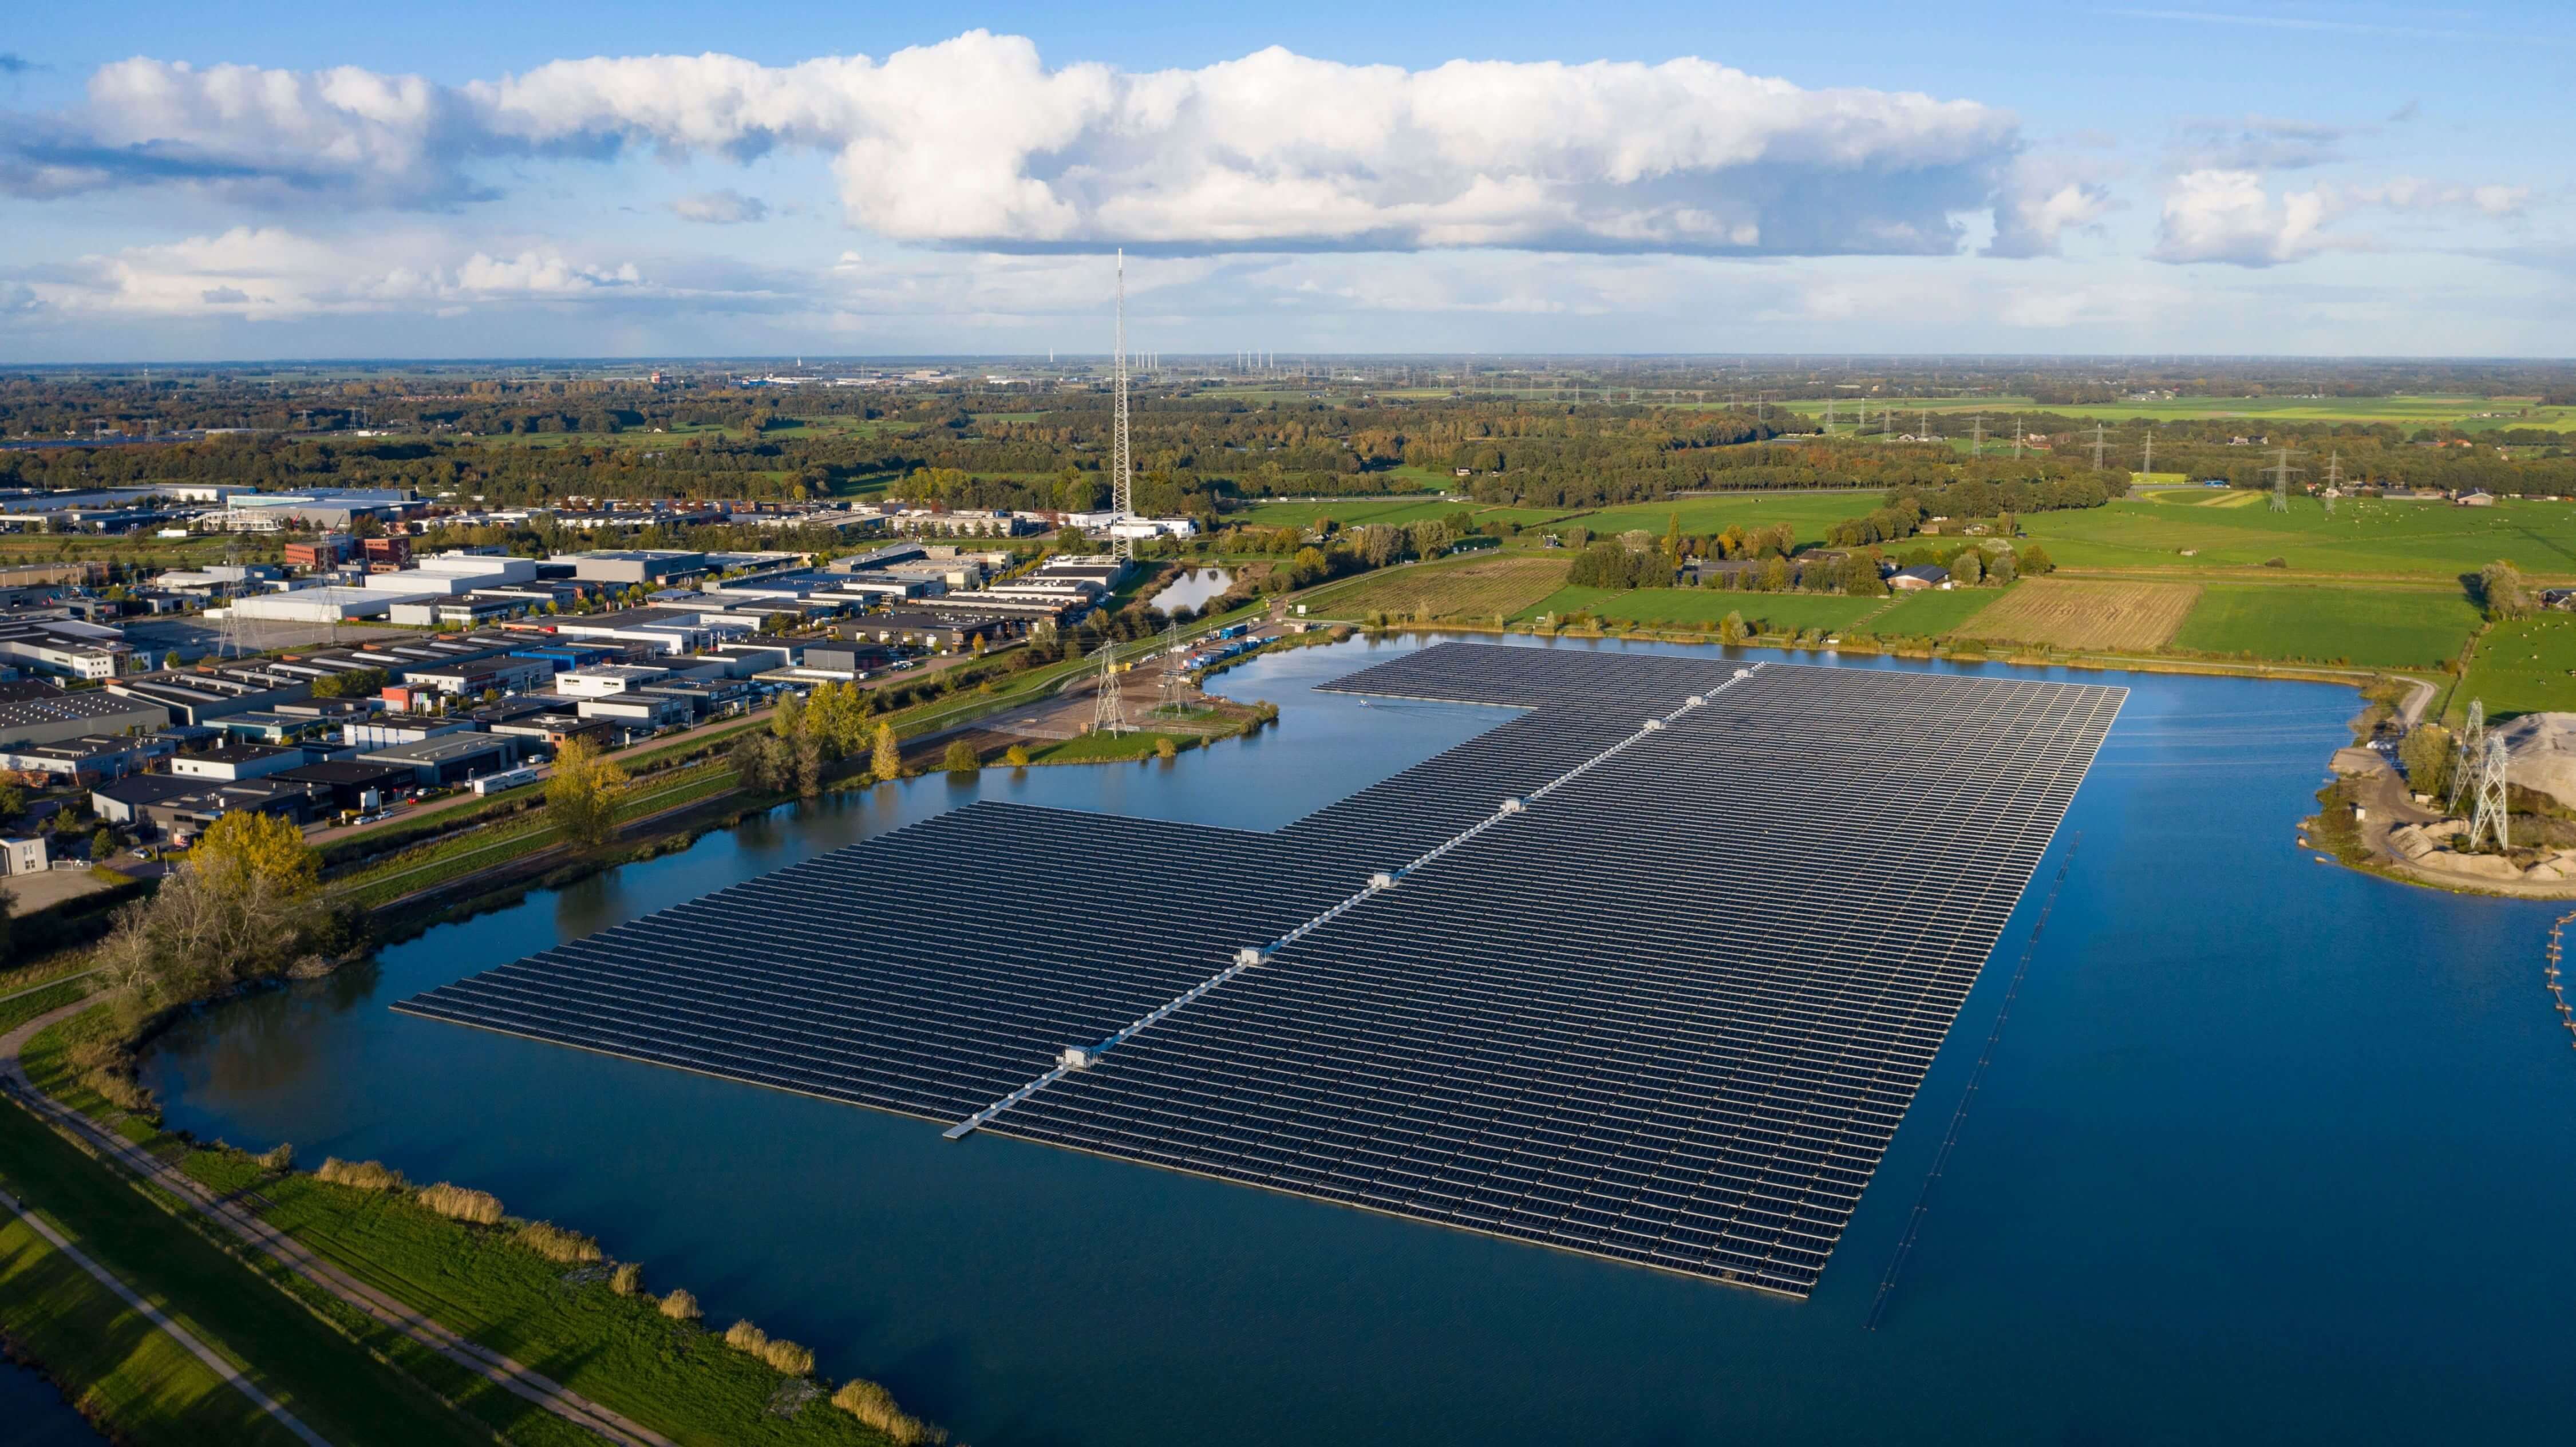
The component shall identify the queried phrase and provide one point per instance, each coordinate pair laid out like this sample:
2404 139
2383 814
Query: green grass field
1929 614
1105 748
1807 514
150 1390
1692 607
2361 537
1395 510
2521 667
2393 629
2468 414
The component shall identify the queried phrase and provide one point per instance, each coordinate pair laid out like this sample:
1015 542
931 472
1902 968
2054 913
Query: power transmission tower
2281 470
2334 478
228 643
1106 716
1124 500
1977 436
1169 700
2016 434
2473 742
2490 795
2097 447
2147 464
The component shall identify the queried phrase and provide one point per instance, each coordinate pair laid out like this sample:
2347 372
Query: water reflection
1191 588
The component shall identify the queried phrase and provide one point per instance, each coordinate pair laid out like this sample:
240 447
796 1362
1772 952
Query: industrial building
33 711
450 758
233 763
65 648
633 565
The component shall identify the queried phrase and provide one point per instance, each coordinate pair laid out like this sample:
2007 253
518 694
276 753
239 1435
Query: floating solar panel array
1668 1006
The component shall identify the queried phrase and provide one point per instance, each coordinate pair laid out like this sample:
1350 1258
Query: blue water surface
2268 1151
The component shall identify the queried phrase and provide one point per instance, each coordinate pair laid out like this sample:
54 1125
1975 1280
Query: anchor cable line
1976 1078
2550 974
1083 1057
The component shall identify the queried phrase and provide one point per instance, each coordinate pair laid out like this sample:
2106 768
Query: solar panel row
1671 1014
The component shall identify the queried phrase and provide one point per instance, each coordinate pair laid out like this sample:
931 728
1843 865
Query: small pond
1192 588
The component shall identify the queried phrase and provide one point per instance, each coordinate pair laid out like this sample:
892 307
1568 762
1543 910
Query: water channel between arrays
2269 1149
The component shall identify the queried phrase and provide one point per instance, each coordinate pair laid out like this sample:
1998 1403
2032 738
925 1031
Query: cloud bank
976 143
2230 216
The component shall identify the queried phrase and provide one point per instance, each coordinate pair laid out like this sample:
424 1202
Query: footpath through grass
560 1319
129 1371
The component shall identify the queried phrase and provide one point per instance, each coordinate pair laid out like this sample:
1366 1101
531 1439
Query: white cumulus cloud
976 142
2232 216
267 273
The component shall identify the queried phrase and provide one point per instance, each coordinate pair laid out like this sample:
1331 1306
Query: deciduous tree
581 793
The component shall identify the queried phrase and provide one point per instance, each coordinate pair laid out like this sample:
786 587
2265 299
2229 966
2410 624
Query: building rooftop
439 749
34 705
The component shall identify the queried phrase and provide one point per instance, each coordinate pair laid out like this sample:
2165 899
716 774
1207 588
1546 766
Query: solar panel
1668 1006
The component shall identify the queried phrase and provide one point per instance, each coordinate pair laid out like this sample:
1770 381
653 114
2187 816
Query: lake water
2269 1151
37 1415
1191 588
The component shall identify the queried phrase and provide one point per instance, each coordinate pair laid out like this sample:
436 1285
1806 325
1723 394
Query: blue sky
202 181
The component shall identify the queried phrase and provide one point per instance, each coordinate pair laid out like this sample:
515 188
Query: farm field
2392 629
2365 537
2468 414
2064 613
2524 666
1395 510
1486 588
646 437
1693 607
1807 513
1929 614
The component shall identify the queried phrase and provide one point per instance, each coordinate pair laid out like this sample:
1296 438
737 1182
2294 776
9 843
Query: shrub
557 1244
680 1306
457 1203
1017 756
627 1279
1166 750
364 1175
119 1090
875 1407
960 758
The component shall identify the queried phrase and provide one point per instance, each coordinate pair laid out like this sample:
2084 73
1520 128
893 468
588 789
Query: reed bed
458 1203
364 1175
782 1355
571 1248
627 1279
875 1407
680 1306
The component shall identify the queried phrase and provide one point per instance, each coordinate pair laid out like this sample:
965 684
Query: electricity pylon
2490 795
2473 742
1106 716
2281 470
1169 702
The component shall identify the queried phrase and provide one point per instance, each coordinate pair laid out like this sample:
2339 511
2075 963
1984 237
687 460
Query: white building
324 605
606 680
65 647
